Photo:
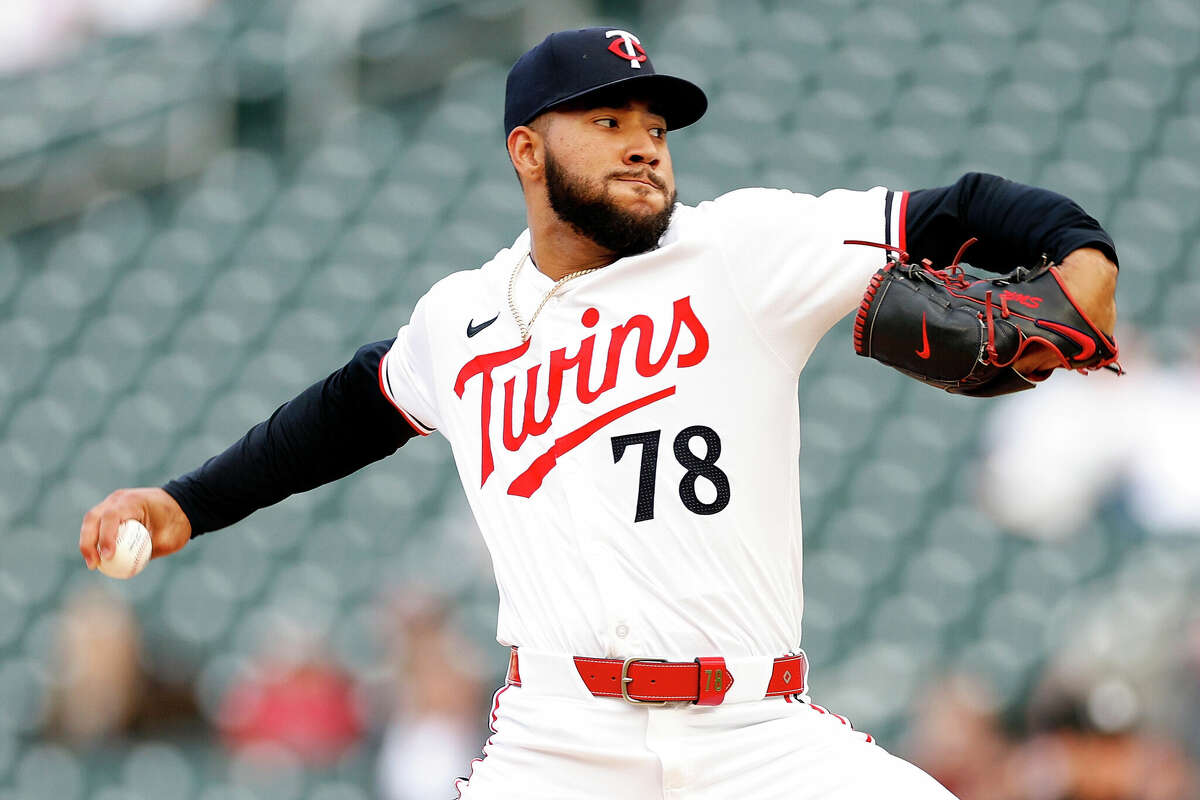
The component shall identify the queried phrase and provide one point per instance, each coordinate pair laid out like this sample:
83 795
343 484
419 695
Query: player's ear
526 149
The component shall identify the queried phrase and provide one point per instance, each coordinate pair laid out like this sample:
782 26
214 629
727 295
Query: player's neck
558 250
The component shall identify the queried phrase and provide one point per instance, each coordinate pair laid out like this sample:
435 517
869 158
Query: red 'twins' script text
482 366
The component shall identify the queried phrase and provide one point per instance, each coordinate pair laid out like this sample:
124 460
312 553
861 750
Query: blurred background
205 205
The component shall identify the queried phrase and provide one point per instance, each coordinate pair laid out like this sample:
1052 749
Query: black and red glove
963 334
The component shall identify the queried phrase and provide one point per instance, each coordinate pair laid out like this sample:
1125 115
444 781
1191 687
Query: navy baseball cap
569 65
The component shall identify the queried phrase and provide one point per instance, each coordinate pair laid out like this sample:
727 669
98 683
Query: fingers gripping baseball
169 527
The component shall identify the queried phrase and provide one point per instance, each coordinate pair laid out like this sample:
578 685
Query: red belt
653 680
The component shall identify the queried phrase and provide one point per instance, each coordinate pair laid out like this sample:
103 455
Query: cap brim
681 102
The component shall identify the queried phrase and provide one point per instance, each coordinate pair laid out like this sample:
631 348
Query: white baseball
131 553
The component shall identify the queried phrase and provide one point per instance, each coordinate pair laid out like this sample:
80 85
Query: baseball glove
963 334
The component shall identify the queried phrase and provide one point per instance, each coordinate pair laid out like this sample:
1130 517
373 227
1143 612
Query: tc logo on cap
627 47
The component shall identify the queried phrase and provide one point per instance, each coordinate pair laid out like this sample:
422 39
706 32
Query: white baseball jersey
633 466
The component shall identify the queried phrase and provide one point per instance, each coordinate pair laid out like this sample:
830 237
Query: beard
592 212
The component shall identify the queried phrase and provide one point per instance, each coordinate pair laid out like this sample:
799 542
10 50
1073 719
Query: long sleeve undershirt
329 430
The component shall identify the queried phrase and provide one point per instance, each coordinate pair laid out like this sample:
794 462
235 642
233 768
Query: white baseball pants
553 740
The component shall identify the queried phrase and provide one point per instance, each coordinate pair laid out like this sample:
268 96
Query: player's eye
607 122
658 133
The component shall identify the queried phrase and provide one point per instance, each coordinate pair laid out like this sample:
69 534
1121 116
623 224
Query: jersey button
622 631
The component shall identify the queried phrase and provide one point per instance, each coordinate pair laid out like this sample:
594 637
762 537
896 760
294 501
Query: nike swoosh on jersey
473 329
924 351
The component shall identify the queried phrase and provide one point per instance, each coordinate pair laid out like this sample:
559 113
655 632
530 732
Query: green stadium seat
1030 107
913 156
344 171
155 295
217 214
45 428
1042 572
433 165
343 290
1181 135
118 343
180 382
279 252
311 213
215 340
245 564
942 578
696 31
1174 24
892 490
1079 28
979 28
56 302
1174 181
911 622
12 271
896 23
969 534
159 769
373 134
939 112
314 336
121 221
835 588
23 158
461 126
1142 62
1082 182
144 423
20 479
925 445
871 534
1104 145
865 71
998 664
129 109
839 115
49 772
1151 224
1002 148
247 173
83 386
770 75
1126 104
106 462
198 604
234 412
186 255
1019 620
247 293
1056 70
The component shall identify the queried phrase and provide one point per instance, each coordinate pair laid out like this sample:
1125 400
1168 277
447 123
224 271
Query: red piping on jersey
403 413
902 239
492 720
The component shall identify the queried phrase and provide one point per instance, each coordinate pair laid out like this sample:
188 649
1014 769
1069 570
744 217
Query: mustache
643 175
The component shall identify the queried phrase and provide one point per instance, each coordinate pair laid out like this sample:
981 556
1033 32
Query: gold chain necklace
512 303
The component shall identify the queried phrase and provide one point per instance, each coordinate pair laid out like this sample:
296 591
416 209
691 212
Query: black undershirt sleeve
1015 224
332 428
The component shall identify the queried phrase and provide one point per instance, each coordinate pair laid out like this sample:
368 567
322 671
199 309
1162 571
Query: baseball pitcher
619 388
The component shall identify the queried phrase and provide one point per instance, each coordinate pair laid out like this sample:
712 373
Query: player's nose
642 148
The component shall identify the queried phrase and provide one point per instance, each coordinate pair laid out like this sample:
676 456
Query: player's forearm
329 430
1015 224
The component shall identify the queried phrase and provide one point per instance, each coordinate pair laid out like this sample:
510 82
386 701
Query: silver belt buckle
626 680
